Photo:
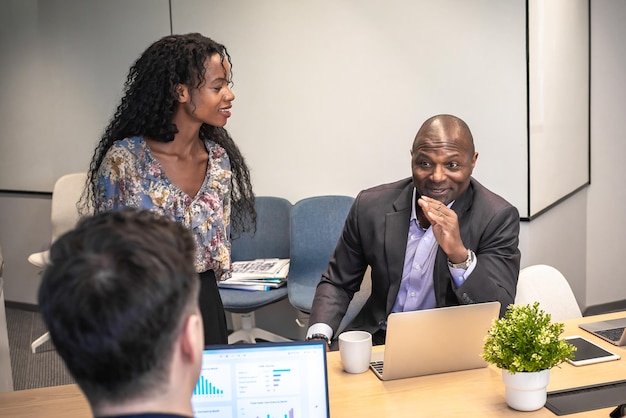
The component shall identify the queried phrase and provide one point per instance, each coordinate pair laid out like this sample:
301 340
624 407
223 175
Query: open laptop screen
276 380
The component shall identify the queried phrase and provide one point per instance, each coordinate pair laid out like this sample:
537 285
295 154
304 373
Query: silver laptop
282 379
611 330
434 341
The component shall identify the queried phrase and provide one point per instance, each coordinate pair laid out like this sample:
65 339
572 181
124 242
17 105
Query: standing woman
166 150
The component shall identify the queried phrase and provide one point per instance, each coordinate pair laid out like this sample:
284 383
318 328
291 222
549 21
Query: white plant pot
526 391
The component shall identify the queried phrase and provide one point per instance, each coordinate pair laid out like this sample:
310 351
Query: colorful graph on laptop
267 380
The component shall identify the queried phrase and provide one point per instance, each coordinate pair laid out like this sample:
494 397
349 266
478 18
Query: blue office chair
316 225
271 240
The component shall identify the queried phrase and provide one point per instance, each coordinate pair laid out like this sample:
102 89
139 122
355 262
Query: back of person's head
115 296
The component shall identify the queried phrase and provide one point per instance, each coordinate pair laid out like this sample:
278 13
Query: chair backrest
316 225
65 196
271 238
546 285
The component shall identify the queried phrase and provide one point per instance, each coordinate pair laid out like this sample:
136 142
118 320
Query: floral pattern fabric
130 176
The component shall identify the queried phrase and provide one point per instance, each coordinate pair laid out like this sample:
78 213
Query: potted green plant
525 344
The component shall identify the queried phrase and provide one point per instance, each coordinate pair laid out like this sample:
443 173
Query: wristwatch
465 264
319 336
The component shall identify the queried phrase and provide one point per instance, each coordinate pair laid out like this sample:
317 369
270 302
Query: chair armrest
39 260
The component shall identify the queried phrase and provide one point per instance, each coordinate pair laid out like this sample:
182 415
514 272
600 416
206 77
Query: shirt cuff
320 328
460 275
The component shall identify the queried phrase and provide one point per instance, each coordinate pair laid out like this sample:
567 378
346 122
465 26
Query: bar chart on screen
205 387
214 383
289 414
264 379
271 408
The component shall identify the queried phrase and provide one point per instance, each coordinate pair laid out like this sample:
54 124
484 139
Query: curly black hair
148 105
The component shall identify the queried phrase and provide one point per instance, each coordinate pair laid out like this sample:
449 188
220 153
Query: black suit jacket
375 234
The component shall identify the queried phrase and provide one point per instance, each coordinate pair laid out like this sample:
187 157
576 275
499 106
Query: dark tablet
588 352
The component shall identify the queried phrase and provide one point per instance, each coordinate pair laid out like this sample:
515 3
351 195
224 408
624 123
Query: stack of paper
258 275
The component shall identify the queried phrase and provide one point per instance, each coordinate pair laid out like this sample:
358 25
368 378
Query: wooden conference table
470 393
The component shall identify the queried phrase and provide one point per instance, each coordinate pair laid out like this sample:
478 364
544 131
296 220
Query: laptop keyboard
378 365
612 334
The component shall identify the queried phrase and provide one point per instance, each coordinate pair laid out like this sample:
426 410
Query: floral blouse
130 176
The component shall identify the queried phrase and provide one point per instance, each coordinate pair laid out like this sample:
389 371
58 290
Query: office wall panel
61 74
330 93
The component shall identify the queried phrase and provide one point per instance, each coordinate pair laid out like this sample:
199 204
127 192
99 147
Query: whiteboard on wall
62 70
330 94
558 100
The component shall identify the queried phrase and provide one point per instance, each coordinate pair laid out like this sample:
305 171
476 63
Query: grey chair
271 240
316 225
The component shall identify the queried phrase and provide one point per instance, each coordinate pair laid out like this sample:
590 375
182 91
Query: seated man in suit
437 239
120 299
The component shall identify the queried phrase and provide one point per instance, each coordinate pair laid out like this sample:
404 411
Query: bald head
446 126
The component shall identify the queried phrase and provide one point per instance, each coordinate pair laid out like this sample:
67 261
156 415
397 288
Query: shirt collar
413 212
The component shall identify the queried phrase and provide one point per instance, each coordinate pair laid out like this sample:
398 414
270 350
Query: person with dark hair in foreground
120 300
438 238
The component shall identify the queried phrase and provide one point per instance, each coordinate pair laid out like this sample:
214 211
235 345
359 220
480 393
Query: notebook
282 380
611 330
434 341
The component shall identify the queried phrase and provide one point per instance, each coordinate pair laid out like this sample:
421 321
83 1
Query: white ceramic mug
355 349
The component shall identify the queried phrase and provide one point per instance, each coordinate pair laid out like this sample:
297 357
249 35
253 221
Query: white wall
606 202
61 73
558 238
24 229
330 94
585 236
